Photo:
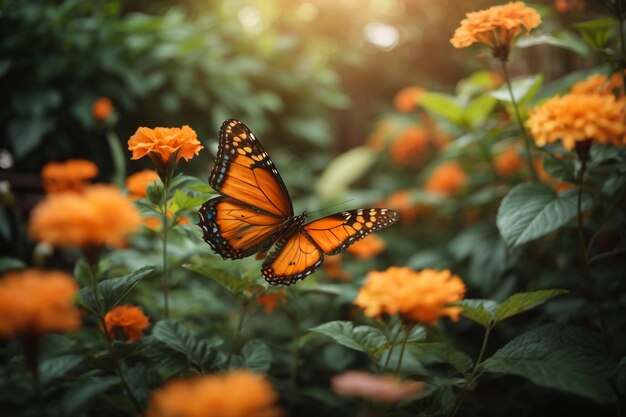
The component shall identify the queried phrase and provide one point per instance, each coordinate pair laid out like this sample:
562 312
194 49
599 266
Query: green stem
470 379
402 348
520 122
109 340
621 15
237 334
117 155
293 374
587 269
393 343
165 227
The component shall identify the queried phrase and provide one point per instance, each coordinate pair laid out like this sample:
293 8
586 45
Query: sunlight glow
250 19
307 12
382 35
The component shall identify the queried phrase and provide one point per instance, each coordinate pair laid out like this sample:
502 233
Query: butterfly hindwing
235 230
334 233
299 254
244 171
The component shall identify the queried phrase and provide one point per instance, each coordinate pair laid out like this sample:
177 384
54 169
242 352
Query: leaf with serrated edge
480 311
518 303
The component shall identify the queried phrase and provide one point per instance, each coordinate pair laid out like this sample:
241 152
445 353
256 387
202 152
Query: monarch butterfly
254 212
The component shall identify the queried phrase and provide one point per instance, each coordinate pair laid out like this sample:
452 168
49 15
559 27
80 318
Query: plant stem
583 249
237 335
471 378
393 342
621 15
520 122
165 228
119 160
109 340
407 329
293 374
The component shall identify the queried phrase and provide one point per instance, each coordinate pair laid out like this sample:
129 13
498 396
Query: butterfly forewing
334 233
235 230
294 258
244 171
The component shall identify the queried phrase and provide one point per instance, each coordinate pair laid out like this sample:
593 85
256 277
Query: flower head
600 84
100 215
576 118
270 301
497 27
407 99
401 202
129 319
71 175
410 146
102 108
447 179
380 388
563 6
37 301
508 162
137 183
233 394
163 142
367 247
417 296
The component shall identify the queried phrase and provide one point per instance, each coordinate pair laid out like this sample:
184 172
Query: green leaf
233 281
530 211
520 302
155 192
113 290
256 356
478 110
566 42
560 357
362 338
459 360
7 263
76 399
55 368
178 338
524 89
480 311
344 170
443 105
26 134
184 201
597 32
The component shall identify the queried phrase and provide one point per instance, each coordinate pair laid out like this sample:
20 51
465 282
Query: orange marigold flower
128 319
333 266
447 179
137 183
417 296
407 99
496 27
578 118
163 142
270 301
367 247
100 215
37 301
233 394
71 175
600 84
410 146
508 162
563 6
380 388
102 108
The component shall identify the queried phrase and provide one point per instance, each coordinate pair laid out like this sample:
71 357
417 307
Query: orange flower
409 148
578 118
379 388
101 215
270 301
37 301
154 223
137 183
407 99
163 142
233 394
102 108
334 271
497 27
417 296
71 175
367 247
129 319
600 84
508 162
563 6
447 179
400 201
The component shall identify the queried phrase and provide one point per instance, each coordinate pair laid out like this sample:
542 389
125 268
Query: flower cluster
600 84
407 99
100 215
37 301
367 247
446 179
410 146
422 296
137 183
270 300
233 394
508 162
71 175
163 142
496 27
126 319
101 109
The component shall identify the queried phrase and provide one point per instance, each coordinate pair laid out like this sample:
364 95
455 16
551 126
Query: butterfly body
254 213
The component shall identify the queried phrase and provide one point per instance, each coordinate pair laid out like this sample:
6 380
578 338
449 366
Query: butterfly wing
245 172
334 233
298 255
235 230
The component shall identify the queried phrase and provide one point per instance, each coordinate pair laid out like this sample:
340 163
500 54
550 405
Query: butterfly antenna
329 207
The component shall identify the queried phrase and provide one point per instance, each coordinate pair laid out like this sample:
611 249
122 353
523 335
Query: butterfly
254 213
